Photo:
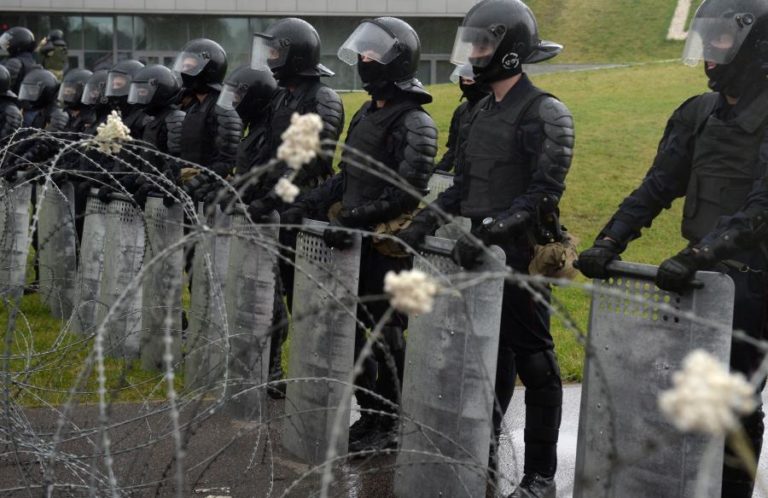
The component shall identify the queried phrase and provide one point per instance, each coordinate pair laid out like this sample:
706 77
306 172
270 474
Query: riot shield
449 380
162 284
439 183
14 238
57 241
626 449
88 288
322 343
206 343
250 299
123 256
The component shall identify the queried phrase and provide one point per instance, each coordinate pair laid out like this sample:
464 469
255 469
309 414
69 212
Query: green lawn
620 115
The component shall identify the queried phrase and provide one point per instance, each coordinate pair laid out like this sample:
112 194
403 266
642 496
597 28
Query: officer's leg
279 335
526 322
749 316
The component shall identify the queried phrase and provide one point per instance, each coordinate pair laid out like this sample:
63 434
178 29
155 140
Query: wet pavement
230 458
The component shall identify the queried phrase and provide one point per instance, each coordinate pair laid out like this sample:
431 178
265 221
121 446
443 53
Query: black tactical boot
361 429
535 486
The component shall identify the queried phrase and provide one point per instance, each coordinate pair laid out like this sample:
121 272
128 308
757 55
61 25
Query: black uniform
530 133
459 120
10 117
403 137
210 135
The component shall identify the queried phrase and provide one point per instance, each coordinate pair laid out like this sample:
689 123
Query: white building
100 32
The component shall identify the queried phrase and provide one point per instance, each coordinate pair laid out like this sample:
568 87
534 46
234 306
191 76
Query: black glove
413 236
676 273
294 215
507 228
337 236
104 194
593 262
198 187
467 253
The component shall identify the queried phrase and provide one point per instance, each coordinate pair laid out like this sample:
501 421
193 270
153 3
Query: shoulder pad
558 121
59 120
229 119
174 121
330 108
175 118
14 67
13 117
419 123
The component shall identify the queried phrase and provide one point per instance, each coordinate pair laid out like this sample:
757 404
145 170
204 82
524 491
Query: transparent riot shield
250 299
162 284
449 380
626 449
120 292
14 238
57 241
88 287
439 183
322 344
206 343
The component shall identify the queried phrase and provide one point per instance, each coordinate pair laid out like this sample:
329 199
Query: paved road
229 458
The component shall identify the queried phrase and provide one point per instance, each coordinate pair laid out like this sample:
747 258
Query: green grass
608 30
620 115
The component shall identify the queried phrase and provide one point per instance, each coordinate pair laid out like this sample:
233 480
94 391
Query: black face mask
371 72
473 92
195 84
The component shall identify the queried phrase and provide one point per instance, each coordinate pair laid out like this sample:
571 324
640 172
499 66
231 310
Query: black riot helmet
95 90
496 37
17 40
387 52
5 83
289 48
119 80
731 36
56 37
248 92
39 88
154 87
72 87
202 64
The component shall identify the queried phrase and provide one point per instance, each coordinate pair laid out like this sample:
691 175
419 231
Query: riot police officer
712 151
53 53
394 129
290 48
10 114
500 185
19 42
119 79
472 93
95 99
70 98
210 134
156 90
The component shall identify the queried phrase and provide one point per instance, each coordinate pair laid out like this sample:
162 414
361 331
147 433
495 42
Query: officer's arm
666 180
416 152
551 140
330 108
11 121
449 158
229 130
14 67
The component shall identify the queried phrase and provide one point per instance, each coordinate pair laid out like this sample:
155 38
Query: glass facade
98 41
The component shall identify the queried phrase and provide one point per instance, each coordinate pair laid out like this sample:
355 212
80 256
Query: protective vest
301 101
135 121
251 151
493 163
155 131
725 164
197 132
369 136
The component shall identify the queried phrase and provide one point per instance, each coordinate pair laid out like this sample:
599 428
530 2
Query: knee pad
539 371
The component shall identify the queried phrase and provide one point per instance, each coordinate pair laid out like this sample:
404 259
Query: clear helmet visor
369 40
92 93
268 53
30 92
464 71
475 46
69 93
231 96
716 39
118 84
5 41
141 93
189 63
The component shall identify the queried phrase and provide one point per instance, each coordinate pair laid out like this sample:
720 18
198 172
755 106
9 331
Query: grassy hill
608 30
